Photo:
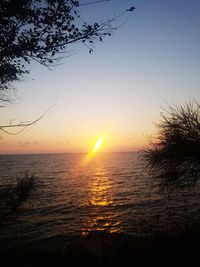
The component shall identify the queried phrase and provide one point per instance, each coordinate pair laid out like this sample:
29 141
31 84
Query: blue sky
153 58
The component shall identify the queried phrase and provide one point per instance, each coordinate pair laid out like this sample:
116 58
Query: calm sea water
112 192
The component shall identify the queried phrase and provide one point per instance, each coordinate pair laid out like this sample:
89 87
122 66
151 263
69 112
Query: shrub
174 155
15 195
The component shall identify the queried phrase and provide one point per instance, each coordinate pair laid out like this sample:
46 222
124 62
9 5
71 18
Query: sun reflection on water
101 203
100 190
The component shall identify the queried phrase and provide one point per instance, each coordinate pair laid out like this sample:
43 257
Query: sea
111 192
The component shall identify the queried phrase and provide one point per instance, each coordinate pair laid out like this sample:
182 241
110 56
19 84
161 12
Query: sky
116 91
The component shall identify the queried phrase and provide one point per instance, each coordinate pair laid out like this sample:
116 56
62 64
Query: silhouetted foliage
41 30
15 195
175 154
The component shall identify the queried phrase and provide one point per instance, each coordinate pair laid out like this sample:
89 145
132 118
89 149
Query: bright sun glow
99 143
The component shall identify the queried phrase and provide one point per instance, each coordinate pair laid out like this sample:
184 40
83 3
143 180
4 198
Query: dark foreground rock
103 249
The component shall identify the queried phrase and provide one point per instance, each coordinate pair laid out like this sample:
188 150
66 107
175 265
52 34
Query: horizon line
49 153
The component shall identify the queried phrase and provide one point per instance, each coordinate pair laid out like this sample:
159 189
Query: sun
98 144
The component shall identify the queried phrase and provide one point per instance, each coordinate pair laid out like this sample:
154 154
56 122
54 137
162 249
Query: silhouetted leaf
131 8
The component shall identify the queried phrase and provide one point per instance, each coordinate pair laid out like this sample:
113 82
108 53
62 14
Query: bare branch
94 2
22 125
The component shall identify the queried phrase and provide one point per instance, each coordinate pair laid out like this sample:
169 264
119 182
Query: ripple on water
111 193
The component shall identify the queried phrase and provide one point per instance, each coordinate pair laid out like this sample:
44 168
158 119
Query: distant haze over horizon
81 153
